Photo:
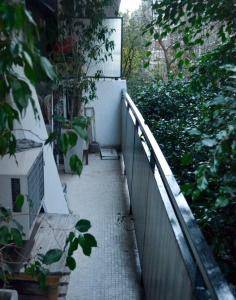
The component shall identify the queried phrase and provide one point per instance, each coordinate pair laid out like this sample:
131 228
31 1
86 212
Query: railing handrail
212 276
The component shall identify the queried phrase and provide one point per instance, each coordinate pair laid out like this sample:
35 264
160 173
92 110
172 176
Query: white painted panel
107 109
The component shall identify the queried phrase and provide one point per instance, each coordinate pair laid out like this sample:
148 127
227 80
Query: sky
129 5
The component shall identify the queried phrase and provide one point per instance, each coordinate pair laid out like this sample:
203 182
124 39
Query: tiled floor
112 271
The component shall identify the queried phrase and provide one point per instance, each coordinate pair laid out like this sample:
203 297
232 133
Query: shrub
197 134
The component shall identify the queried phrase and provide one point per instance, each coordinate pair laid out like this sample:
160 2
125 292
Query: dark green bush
197 134
169 109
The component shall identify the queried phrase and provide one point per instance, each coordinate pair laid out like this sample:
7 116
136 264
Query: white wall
107 109
54 200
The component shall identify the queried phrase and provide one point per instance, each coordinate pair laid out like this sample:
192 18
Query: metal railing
176 261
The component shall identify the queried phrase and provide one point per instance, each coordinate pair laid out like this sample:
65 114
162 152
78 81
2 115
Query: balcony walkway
112 271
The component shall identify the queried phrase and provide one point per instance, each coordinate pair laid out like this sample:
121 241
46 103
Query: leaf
28 58
82 132
186 62
90 239
147 44
194 132
76 164
202 183
29 17
30 73
179 54
148 53
187 189
72 138
5 236
83 225
176 45
85 245
17 236
221 201
64 143
156 36
6 213
71 263
196 194
186 159
73 246
209 142
51 138
19 201
21 93
47 68
42 276
52 256
70 238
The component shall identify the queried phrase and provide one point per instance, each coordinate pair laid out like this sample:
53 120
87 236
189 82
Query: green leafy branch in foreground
21 67
80 237
213 192
11 237
200 30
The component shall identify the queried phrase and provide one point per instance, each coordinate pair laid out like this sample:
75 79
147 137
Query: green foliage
83 239
38 272
170 108
18 53
39 268
197 133
207 28
21 67
191 17
194 118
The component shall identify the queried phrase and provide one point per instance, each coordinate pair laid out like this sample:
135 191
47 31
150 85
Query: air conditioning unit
23 174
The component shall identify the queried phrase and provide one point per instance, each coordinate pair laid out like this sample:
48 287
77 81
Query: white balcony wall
107 110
